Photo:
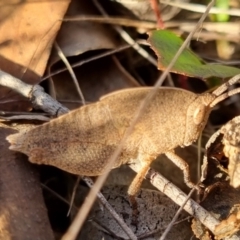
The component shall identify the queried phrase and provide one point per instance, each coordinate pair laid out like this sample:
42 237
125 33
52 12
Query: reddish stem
156 8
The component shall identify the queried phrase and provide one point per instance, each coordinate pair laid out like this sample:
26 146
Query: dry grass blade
108 53
113 20
167 230
73 194
64 59
202 8
127 38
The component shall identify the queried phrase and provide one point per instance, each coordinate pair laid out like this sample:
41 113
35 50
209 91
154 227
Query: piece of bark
22 210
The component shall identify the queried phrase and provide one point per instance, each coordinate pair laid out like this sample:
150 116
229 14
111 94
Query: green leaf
222 4
166 44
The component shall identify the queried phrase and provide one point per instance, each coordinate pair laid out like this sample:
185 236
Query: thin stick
73 195
124 35
156 6
202 8
34 93
131 79
64 59
111 210
128 22
180 197
80 93
170 225
78 64
217 27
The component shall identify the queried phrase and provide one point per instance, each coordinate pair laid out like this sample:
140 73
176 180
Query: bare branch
34 93
179 197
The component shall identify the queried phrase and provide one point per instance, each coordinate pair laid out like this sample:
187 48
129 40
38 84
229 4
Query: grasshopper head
197 117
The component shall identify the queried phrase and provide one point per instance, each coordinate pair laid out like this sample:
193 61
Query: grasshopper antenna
219 92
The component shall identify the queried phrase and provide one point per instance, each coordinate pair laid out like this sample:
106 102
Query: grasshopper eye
199 114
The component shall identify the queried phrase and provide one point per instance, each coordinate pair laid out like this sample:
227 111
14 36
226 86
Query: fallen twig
35 93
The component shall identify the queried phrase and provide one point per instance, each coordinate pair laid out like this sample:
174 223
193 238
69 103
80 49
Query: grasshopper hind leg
135 187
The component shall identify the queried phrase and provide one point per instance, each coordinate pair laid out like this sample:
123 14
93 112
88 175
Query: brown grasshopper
82 141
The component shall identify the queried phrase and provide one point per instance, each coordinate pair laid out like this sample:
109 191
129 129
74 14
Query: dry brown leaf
226 140
28 29
229 226
231 141
23 214
200 231
222 202
77 37
221 199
